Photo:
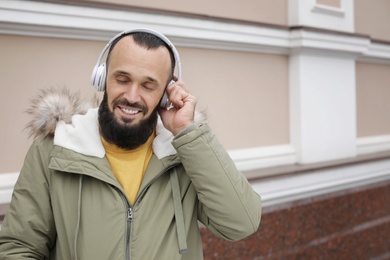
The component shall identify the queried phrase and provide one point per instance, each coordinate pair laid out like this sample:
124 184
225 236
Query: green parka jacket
67 203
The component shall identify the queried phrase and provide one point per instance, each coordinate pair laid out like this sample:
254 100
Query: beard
124 136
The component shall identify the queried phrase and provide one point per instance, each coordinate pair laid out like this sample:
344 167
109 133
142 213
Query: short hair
149 41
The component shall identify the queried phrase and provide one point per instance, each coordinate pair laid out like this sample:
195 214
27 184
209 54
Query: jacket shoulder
39 152
43 142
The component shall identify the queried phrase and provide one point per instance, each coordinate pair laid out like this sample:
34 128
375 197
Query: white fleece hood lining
83 136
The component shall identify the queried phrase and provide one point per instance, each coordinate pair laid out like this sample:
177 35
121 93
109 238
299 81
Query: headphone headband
98 77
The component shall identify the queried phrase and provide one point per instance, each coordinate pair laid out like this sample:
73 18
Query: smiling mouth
129 111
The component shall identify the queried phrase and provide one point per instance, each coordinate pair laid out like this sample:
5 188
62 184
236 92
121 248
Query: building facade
298 91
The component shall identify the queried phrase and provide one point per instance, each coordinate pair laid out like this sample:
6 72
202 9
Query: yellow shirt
129 166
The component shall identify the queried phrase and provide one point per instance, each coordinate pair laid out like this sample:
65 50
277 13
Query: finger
178 96
179 84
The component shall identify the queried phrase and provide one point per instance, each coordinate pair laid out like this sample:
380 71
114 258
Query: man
129 180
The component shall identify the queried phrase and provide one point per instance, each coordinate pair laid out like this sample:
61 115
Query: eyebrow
125 73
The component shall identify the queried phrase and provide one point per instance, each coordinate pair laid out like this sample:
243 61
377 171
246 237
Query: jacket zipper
129 220
130 209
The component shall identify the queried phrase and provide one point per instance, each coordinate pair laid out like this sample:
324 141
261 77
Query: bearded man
130 179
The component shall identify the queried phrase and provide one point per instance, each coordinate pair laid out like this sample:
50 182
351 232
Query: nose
132 93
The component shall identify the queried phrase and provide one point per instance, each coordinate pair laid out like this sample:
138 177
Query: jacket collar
82 136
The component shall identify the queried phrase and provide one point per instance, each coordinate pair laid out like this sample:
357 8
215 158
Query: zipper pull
129 214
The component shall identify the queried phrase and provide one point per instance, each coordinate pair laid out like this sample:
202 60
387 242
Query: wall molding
281 190
89 23
278 191
41 19
311 13
311 40
262 157
7 183
377 52
328 10
373 144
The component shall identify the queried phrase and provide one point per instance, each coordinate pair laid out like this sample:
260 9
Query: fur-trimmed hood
74 123
52 105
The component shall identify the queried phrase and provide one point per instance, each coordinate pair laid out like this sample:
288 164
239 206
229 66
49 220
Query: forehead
127 52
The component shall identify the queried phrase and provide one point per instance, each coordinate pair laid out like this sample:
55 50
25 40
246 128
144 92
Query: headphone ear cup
165 103
98 77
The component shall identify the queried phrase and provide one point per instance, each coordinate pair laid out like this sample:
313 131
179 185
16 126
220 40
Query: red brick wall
354 224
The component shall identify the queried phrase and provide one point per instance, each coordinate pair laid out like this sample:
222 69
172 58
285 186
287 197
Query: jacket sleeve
28 228
228 207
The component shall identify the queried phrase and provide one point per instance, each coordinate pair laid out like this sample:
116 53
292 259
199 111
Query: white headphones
98 77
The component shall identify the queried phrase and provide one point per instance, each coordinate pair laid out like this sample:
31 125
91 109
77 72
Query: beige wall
373 99
373 18
266 11
28 64
246 94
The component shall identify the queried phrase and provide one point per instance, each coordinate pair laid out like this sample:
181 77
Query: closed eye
149 86
122 79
